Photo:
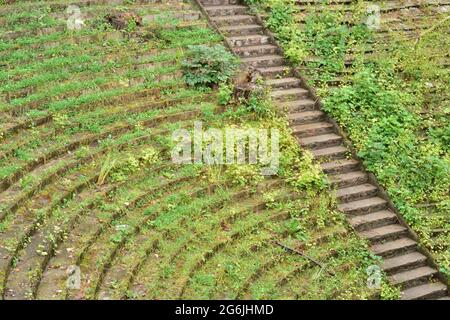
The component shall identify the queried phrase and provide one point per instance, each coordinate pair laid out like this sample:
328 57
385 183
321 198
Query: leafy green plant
108 164
225 93
208 65
220 243
281 14
307 176
389 292
259 105
243 175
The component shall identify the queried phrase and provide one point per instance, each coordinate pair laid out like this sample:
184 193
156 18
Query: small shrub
149 156
259 105
225 93
208 66
307 176
243 175
389 292
282 13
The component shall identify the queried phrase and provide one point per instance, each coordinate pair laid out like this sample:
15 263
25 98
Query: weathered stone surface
245 83
373 220
404 262
410 278
389 232
358 192
395 247
426 291
313 129
121 20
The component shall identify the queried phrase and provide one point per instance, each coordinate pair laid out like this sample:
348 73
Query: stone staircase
368 210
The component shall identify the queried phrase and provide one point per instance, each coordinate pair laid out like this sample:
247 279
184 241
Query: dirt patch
121 20
245 83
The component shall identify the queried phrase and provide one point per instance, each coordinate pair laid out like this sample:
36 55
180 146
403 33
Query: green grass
138 225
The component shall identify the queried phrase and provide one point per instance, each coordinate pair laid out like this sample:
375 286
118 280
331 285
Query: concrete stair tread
234 17
255 50
444 298
298 103
279 81
382 232
338 163
282 92
402 260
289 82
393 245
225 7
355 189
329 151
226 10
261 58
239 41
371 217
311 126
348 176
240 27
306 114
254 36
413 274
423 291
256 47
319 138
217 2
280 69
373 201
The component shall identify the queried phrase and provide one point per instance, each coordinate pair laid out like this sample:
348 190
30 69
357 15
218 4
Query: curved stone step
373 220
181 16
403 262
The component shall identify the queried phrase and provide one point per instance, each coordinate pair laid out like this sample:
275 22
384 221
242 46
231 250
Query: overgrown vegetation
90 182
392 100
208 66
